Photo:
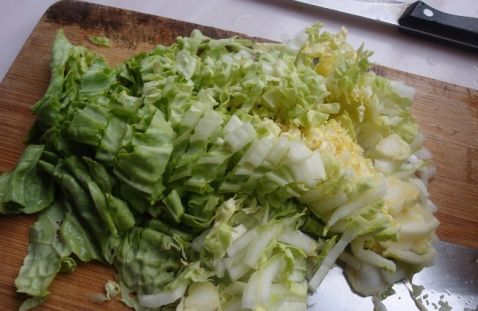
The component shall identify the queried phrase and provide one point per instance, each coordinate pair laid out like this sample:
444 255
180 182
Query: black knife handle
423 20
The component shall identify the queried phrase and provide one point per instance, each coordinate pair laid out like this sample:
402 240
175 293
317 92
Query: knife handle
422 20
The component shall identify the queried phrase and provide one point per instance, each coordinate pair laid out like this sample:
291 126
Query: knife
450 284
417 19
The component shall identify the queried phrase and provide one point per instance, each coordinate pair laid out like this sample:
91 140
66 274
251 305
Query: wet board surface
447 114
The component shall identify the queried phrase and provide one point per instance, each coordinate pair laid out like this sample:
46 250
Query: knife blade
415 18
451 282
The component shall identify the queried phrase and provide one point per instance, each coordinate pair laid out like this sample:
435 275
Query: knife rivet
428 12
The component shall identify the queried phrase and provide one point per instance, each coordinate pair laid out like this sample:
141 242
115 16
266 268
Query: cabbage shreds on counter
224 174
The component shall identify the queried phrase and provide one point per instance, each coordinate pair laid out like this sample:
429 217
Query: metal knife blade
452 281
416 18
385 11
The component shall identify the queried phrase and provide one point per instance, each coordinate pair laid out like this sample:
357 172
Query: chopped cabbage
224 174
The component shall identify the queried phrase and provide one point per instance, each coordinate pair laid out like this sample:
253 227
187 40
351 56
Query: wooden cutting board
448 115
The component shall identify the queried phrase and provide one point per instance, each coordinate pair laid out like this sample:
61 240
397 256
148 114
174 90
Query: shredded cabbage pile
224 174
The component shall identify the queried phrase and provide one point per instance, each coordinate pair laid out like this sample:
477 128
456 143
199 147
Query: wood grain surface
448 115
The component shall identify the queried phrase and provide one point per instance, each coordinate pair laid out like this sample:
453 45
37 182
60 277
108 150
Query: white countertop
275 19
